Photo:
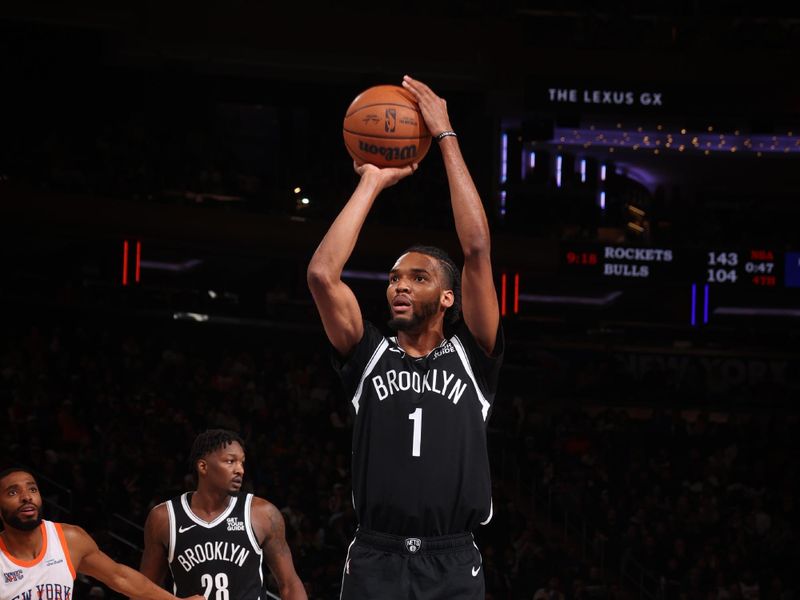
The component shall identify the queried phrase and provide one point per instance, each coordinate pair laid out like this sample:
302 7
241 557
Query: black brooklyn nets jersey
220 559
420 462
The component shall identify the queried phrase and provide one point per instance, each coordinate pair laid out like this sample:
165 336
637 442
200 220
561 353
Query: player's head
424 285
20 501
217 457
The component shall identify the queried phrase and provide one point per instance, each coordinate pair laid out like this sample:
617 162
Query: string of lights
679 140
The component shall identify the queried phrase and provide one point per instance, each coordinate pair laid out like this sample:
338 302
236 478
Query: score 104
728 267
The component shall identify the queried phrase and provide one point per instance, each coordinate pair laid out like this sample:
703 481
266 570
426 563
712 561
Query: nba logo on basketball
413 544
12 576
391 120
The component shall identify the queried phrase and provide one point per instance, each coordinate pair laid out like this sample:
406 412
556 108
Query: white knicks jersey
49 576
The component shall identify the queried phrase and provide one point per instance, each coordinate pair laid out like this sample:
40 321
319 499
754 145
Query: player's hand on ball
433 108
386 176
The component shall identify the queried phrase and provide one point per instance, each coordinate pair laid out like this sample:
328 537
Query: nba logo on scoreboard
413 544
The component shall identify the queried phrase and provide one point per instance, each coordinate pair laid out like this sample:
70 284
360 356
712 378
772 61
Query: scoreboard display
760 267
754 266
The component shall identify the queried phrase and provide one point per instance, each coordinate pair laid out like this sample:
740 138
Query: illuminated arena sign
750 267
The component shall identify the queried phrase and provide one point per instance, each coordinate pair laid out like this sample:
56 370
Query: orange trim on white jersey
65 548
26 563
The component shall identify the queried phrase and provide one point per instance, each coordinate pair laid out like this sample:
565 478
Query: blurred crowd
669 505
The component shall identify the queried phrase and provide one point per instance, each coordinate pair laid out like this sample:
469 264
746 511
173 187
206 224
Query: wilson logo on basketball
402 153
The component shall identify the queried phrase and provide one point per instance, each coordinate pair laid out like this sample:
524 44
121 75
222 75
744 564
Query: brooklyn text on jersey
432 413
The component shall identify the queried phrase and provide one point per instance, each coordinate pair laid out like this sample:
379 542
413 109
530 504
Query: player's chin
401 323
25 524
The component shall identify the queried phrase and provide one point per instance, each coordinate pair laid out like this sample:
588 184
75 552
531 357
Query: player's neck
209 504
24 545
420 343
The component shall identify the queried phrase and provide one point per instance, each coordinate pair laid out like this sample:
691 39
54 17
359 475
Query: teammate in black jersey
213 539
420 400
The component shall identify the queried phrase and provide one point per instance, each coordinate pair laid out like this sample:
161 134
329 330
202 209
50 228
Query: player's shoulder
264 513
71 531
371 339
158 516
262 505
461 333
78 540
374 333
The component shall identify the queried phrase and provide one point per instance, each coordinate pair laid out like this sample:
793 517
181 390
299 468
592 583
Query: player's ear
202 467
448 298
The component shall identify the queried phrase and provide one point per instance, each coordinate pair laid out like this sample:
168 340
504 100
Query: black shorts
380 566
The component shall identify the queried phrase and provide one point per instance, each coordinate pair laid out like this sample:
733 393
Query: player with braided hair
213 539
421 396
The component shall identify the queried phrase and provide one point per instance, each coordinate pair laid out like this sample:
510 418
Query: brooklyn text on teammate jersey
222 554
201 553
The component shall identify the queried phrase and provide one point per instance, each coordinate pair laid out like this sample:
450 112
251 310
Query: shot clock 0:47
753 267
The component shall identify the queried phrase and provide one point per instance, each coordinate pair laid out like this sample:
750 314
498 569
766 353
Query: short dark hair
452 277
10 470
209 441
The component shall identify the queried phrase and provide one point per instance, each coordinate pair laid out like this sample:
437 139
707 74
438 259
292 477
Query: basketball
384 126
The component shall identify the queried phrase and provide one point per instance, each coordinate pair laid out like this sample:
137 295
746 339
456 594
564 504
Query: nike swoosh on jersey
184 529
475 571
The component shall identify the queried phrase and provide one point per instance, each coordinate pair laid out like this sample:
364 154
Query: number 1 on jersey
416 416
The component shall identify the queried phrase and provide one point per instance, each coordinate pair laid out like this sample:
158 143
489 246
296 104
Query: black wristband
445 134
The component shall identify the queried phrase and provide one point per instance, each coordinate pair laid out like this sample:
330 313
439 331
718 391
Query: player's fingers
407 84
409 169
417 87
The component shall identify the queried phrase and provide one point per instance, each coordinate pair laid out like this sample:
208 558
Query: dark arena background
168 168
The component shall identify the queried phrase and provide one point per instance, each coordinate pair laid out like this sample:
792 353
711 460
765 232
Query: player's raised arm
336 303
479 297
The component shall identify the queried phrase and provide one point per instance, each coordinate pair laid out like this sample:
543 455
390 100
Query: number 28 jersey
220 559
420 461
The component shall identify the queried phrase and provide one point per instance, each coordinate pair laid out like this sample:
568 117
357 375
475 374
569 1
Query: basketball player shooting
41 558
213 539
421 398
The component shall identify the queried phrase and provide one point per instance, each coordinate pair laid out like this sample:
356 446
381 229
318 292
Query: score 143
722 267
